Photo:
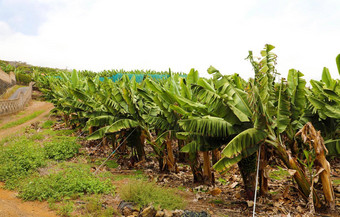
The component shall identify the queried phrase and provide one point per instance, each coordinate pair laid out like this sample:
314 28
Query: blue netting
139 77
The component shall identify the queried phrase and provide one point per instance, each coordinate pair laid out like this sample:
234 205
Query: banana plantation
211 124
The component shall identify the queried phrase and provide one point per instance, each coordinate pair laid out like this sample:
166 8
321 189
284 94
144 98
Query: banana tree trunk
263 180
182 157
105 142
207 174
140 145
216 156
196 167
299 176
172 166
247 168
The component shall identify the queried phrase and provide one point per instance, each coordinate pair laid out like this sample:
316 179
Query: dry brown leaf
233 185
277 204
291 172
215 192
250 203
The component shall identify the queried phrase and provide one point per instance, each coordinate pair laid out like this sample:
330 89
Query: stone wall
14 105
6 81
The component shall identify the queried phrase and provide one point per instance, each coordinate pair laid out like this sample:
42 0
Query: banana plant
323 110
278 113
125 109
162 118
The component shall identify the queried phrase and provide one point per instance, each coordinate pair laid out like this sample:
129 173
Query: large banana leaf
333 146
283 109
296 90
115 127
243 142
224 163
205 126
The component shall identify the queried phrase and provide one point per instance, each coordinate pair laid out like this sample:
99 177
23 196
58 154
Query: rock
148 212
167 213
177 213
188 213
126 211
127 208
159 214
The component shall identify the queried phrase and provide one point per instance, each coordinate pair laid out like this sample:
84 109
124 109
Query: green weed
279 174
61 150
217 201
145 193
68 179
47 124
65 209
93 208
19 160
138 175
336 181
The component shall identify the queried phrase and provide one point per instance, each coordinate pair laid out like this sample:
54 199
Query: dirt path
11 206
31 108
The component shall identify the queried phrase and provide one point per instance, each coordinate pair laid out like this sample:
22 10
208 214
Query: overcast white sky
180 34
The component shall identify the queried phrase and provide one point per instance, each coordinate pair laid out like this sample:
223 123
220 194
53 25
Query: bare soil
11 206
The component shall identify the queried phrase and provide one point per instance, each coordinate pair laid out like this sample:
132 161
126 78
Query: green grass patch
279 174
336 181
66 180
47 124
93 207
145 193
137 175
181 188
112 164
21 113
217 201
21 120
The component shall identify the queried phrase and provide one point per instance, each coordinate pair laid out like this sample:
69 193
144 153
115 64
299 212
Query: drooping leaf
243 141
224 163
205 126
122 124
98 134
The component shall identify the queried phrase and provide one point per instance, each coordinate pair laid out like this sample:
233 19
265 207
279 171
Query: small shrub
61 150
74 179
145 193
23 78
